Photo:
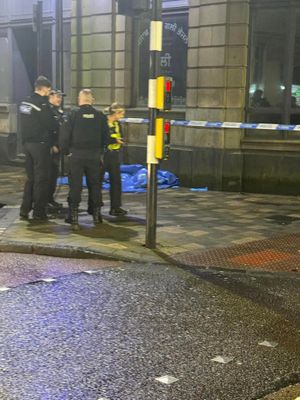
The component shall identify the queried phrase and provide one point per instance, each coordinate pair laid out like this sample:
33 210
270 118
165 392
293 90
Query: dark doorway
25 59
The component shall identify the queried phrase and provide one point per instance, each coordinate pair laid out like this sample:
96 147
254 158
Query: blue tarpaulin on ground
134 179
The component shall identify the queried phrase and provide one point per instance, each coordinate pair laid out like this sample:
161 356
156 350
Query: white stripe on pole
151 159
152 93
156 34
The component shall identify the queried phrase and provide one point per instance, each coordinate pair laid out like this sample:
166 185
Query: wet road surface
109 334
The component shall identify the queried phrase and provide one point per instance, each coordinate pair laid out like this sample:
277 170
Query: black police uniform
58 115
36 121
83 136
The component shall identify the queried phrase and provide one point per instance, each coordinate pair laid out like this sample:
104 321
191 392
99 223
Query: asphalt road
110 334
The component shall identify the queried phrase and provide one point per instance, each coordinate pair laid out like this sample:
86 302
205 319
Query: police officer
83 136
36 122
111 162
55 100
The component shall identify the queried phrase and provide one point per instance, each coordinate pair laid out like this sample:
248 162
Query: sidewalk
197 229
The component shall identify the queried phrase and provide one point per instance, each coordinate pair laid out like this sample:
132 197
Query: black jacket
58 115
36 119
84 129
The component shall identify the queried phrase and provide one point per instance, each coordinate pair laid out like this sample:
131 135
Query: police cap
57 92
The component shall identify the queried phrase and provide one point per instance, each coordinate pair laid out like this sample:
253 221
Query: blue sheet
134 179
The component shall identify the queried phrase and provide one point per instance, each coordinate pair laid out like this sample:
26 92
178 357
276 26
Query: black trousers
53 175
111 164
88 166
90 203
36 186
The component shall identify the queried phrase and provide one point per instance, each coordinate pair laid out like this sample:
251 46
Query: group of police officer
92 141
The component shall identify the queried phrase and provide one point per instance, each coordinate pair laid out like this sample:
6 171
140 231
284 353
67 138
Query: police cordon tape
230 125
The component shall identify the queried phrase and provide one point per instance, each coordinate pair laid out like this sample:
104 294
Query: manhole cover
281 219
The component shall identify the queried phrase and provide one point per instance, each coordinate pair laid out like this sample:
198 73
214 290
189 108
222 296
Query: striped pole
152 162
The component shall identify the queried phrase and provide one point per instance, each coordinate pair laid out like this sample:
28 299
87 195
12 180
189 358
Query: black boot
117 212
72 218
97 217
90 207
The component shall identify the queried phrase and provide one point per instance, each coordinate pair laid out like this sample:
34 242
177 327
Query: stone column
101 51
216 81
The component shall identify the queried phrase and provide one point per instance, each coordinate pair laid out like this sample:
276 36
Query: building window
274 66
173 59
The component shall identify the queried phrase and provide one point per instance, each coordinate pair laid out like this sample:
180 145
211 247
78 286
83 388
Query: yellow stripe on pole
160 92
159 138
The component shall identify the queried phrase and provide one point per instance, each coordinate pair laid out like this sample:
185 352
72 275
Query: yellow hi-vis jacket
114 133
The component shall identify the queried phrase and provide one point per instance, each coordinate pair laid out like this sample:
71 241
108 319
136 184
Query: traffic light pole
59 61
152 162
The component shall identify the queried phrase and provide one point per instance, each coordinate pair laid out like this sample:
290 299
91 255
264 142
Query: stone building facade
18 61
103 52
227 52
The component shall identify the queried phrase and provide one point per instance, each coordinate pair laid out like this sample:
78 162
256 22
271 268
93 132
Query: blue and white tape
230 125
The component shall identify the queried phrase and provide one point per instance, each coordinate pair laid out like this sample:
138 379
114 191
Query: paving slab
204 229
